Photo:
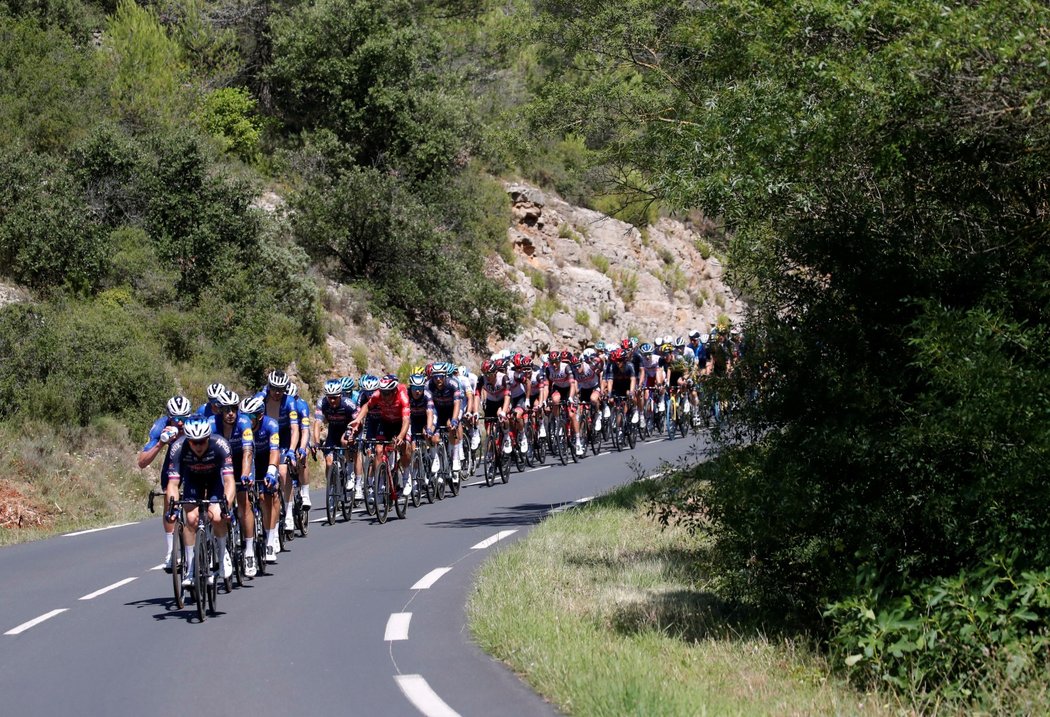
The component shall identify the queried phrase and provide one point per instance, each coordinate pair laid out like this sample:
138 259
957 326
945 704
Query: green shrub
583 317
600 263
666 255
606 313
627 285
73 362
544 308
704 248
230 116
359 353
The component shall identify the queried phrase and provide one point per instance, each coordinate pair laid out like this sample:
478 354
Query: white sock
188 559
306 491
269 537
249 547
459 450
169 541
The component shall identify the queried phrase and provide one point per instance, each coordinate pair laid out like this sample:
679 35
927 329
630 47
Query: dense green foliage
882 167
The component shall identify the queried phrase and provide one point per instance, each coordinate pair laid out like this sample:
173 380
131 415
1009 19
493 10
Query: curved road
357 618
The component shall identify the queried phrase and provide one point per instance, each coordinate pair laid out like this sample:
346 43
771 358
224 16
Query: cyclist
389 405
211 408
335 410
538 389
620 379
469 383
266 441
422 412
563 390
495 394
587 380
163 433
652 377
519 378
302 407
202 465
281 407
237 430
448 404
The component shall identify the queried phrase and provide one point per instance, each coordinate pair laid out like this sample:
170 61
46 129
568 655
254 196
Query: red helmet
521 361
617 355
554 356
488 366
625 344
429 370
388 383
566 356
501 364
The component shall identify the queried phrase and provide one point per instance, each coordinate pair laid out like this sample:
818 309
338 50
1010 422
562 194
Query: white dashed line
35 621
541 468
430 578
489 542
425 699
158 567
397 626
649 443
96 530
106 589
479 482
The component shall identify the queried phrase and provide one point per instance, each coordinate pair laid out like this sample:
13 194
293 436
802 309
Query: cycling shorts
387 430
519 402
442 415
620 388
492 408
209 488
585 394
562 391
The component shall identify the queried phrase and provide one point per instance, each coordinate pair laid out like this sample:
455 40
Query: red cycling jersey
391 407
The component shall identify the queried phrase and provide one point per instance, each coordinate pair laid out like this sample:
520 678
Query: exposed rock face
583 276
578 261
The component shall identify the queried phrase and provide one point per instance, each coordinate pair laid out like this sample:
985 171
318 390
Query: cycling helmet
554 357
488 366
694 334
625 344
658 341
197 429
618 355
252 404
667 348
679 342
575 361
646 349
277 379
428 370
333 387
500 364
599 346
418 368
369 382
417 381
633 341
179 407
566 356
704 338
214 389
734 331
293 390
348 383
464 371
228 398
588 353
388 383
450 368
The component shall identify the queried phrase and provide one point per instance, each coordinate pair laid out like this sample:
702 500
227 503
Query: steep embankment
582 275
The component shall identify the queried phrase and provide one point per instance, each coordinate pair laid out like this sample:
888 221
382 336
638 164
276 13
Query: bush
74 362
583 317
229 115
600 263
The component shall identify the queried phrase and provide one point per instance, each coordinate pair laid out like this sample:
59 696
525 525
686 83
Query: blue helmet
369 383
348 383
417 381
333 387
197 429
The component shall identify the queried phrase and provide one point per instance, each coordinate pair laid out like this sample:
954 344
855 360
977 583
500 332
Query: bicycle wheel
560 438
595 435
490 460
200 575
369 477
400 495
530 436
419 479
233 538
504 465
178 566
539 447
333 491
617 428
519 459
302 515
438 478
283 536
213 585
382 484
630 432
260 538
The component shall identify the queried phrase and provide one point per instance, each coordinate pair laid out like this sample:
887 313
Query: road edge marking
97 530
423 697
488 542
429 579
102 591
35 621
397 626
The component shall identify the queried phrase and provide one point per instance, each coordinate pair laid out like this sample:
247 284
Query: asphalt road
358 618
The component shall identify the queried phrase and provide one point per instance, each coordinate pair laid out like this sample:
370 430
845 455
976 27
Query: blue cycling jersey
338 416
418 407
240 435
154 438
201 476
207 410
266 436
286 414
447 395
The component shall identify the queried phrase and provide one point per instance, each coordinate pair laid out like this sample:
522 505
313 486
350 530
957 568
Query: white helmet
228 398
214 390
179 407
252 404
197 429
293 390
278 379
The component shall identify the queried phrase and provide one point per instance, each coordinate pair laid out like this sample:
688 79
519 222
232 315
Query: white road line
106 589
319 520
467 485
158 567
35 621
488 542
425 699
397 626
96 530
581 501
541 468
655 441
430 578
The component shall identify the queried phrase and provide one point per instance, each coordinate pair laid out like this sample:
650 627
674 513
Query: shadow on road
524 514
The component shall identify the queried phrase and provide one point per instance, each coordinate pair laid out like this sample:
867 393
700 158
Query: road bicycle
339 490
493 459
205 556
381 480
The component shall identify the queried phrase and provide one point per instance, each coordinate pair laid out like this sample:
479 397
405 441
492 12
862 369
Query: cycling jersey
418 409
497 389
207 410
445 397
561 375
284 413
303 409
539 381
201 476
241 438
516 380
616 372
266 437
586 377
390 407
337 417
154 438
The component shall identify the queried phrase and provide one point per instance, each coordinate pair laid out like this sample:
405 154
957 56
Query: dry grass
610 615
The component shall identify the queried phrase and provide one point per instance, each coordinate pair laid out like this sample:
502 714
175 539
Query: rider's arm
293 420
247 451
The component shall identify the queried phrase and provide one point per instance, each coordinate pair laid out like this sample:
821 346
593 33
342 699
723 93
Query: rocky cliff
583 276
